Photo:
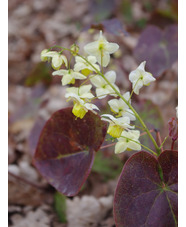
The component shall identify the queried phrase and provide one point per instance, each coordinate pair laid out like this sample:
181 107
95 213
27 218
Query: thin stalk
130 106
163 141
136 114
133 90
159 140
172 145
108 145
144 133
26 181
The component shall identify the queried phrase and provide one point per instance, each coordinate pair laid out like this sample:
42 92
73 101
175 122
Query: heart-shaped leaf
142 198
65 151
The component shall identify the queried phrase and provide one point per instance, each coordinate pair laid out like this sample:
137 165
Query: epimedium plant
146 193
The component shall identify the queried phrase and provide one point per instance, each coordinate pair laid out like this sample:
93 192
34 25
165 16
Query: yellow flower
80 97
118 106
78 110
102 87
115 130
140 77
57 58
69 76
101 49
85 67
117 125
82 92
128 140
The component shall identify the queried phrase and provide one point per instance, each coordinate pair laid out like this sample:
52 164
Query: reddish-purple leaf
159 48
141 197
173 128
34 135
65 151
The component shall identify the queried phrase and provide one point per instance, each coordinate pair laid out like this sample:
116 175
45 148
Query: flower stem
130 106
158 149
136 114
133 89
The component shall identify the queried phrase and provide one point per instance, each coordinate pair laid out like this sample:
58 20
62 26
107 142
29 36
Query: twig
159 140
108 145
172 145
35 185
144 133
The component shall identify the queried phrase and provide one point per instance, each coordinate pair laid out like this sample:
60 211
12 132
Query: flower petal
56 61
126 96
50 54
101 92
134 75
137 86
111 76
78 75
134 146
105 116
142 66
91 48
60 72
148 78
91 106
79 66
64 60
113 103
111 47
129 113
73 90
85 88
79 59
97 81
66 79
104 60
92 59
120 146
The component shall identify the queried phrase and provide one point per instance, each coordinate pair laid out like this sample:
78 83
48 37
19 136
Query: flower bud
74 49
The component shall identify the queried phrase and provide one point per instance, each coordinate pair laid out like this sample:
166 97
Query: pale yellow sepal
78 110
116 125
115 130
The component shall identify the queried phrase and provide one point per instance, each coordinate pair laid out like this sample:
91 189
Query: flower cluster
90 68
